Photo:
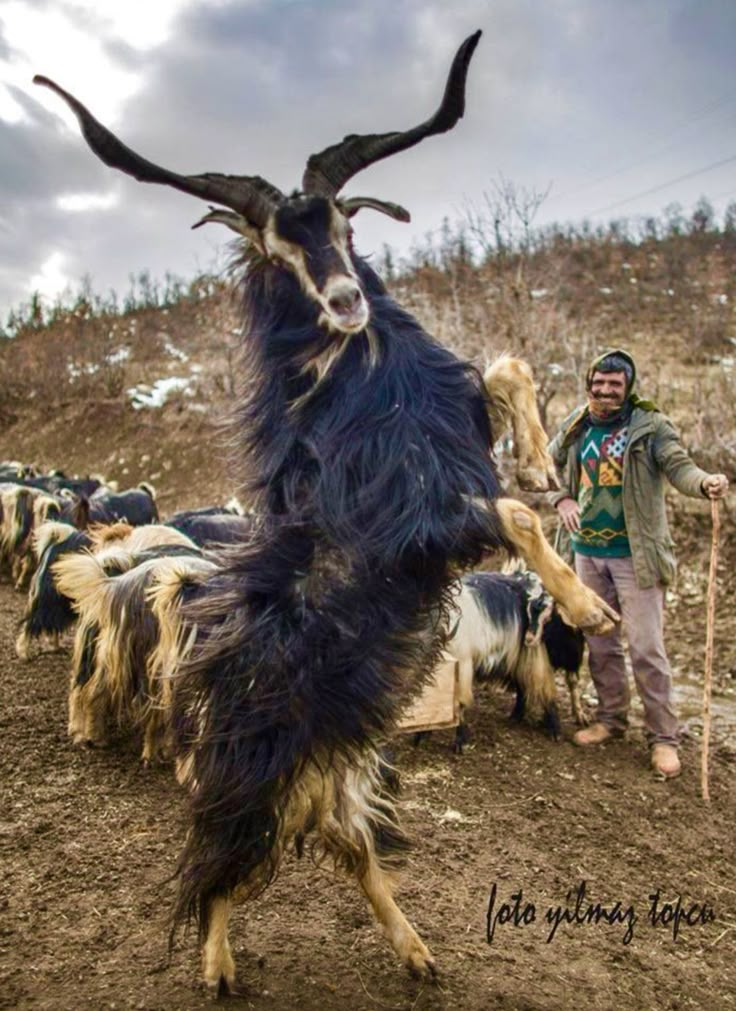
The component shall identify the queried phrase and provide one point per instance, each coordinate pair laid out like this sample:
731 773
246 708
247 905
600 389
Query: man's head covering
613 360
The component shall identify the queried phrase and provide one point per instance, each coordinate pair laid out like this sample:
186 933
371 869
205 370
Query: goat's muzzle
346 306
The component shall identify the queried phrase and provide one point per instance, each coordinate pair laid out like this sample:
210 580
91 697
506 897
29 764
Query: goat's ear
352 205
237 223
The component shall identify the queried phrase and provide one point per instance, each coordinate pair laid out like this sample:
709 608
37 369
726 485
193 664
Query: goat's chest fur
382 457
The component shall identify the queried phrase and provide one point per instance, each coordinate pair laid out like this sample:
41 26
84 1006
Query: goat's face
311 237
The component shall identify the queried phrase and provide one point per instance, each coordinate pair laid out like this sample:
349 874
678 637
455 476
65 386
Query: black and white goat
505 627
368 452
48 613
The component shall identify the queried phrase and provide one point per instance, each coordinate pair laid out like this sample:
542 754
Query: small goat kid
368 450
505 627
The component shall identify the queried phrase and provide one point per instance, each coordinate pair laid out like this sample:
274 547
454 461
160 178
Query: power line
663 186
702 113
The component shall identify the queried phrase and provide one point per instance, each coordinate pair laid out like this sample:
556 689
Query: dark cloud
577 92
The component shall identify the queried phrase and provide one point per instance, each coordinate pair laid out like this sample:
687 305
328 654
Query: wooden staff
708 676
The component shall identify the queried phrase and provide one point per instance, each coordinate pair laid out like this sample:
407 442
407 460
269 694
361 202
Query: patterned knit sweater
602 525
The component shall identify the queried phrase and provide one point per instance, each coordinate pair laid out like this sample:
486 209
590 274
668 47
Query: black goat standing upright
369 446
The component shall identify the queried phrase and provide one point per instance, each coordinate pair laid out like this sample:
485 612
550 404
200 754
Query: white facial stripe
294 256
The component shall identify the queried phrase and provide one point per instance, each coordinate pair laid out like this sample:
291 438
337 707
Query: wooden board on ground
438 707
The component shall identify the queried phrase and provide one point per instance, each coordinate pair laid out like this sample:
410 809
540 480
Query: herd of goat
102 561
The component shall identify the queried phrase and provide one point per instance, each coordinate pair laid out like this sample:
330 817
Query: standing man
612 455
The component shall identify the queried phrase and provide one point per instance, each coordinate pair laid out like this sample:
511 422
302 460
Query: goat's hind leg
364 817
218 967
376 884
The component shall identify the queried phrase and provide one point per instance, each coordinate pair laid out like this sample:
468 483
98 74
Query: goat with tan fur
48 613
112 683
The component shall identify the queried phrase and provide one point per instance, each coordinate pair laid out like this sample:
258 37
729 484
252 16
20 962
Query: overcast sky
622 106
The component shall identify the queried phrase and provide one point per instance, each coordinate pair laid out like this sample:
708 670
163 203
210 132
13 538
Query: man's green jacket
653 452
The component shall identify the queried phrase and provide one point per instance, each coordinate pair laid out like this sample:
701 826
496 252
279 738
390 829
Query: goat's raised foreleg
513 402
522 529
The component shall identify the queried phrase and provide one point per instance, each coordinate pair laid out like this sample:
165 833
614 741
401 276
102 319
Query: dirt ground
89 838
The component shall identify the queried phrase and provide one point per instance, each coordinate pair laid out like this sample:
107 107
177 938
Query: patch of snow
158 392
538 292
86 370
115 357
175 352
451 815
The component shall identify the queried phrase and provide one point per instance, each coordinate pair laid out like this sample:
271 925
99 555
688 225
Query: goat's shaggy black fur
209 528
48 611
136 506
374 476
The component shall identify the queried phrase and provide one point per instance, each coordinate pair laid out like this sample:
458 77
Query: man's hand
569 512
714 486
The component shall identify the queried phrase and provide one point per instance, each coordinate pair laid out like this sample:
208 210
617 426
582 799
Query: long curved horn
250 196
353 204
328 171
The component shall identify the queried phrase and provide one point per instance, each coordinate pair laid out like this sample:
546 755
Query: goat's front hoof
595 616
598 623
533 479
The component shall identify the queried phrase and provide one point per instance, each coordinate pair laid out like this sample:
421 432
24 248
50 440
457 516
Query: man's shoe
665 761
596 733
